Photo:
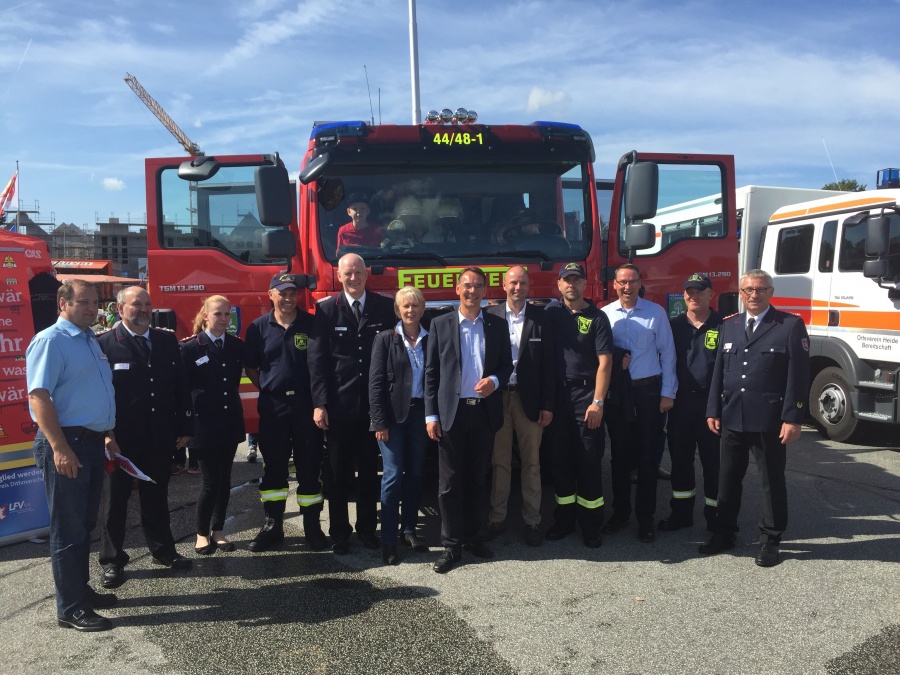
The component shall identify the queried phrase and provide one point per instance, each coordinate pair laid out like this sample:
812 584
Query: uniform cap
281 281
698 281
570 269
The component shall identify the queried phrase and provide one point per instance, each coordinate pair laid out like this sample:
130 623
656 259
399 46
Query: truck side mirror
315 168
198 169
279 244
640 236
875 269
877 236
641 191
273 196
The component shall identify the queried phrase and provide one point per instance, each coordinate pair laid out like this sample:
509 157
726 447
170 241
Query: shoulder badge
189 337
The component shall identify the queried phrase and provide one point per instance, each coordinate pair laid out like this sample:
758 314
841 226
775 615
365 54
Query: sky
799 92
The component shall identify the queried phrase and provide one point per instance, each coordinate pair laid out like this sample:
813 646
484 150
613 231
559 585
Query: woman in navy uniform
214 361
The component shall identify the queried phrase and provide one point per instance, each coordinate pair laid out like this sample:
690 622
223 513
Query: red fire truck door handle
834 317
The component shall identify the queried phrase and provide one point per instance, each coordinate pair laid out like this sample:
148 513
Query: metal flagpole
414 63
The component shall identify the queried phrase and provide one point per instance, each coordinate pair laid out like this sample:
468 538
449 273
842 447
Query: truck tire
831 406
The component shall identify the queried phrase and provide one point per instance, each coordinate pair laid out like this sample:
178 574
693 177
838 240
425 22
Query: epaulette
162 330
730 316
189 337
98 333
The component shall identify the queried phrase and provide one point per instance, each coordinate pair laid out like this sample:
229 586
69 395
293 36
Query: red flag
8 192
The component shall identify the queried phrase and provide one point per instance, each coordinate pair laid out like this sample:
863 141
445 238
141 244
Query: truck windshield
501 211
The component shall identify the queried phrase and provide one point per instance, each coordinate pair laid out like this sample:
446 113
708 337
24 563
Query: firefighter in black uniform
584 346
696 335
275 360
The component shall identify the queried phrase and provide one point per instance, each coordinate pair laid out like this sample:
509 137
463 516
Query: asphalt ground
831 606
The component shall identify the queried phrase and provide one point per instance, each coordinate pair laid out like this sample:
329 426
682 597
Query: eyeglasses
762 290
628 282
470 287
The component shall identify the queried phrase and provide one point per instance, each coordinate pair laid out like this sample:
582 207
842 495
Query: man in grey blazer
467 362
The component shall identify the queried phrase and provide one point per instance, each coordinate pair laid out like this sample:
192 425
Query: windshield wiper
532 253
423 255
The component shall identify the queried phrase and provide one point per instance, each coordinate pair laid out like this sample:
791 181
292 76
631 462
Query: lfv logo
16 507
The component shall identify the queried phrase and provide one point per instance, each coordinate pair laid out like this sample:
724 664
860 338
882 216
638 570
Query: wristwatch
598 402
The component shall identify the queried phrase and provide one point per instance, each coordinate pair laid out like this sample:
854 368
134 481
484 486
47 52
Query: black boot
312 529
272 533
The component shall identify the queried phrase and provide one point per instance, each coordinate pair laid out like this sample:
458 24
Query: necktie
750 328
218 342
356 312
143 347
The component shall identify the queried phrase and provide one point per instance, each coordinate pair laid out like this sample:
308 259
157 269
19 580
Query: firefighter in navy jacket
214 363
153 416
757 402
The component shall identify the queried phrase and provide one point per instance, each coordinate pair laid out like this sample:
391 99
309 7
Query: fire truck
445 194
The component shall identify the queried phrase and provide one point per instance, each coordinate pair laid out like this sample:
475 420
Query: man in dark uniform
584 363
276 359
696 336
153 415
346 326
757 402
468 360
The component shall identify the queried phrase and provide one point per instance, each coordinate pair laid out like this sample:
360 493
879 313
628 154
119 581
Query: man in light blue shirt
71 397
642 329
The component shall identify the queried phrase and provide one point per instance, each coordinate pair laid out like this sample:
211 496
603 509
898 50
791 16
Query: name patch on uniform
342 329
202 360
121 366
584 325
727 346
712 339
534 339
301 340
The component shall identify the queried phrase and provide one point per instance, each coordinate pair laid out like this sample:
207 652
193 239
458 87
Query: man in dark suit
468 360
757 402
528 404
340 355
153 415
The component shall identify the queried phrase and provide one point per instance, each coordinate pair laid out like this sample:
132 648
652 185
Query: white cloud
113 184
541 98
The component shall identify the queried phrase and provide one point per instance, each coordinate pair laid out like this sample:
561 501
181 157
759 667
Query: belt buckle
289 393
471 401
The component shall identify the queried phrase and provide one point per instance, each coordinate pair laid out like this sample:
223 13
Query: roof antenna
829 161
371 110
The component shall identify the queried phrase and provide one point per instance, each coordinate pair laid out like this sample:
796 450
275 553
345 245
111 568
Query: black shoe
176 562
411 540
768 554
315 539
446 562
592 538
225 546
491 530
533 535
340 547
673 523
113 576
271 534
85 620
389 554
95 600
209 549
717 544
479 549
646 533
369 540
615 524
558 531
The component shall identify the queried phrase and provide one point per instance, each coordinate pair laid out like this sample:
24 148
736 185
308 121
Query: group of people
362 376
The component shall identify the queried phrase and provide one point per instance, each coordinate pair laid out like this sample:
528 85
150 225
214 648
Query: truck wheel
830 405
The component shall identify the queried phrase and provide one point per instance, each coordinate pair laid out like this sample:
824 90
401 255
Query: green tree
845 185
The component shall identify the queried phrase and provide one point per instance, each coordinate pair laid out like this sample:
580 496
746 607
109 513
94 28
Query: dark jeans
215 473
403 455
636 445
74 503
